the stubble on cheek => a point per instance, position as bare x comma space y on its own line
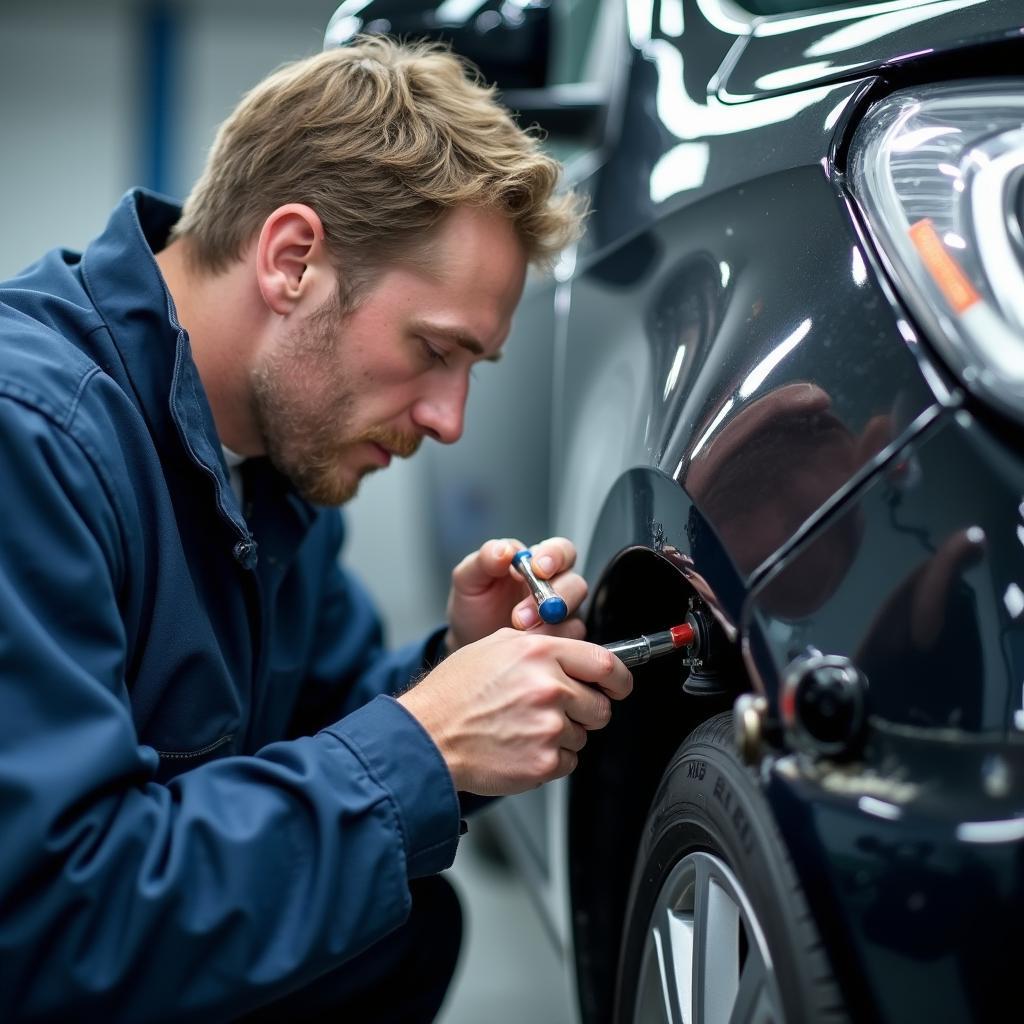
304, 407
304, 435
303, 410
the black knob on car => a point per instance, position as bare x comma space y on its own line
822, 705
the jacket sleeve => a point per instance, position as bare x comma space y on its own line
124, 899
349, 663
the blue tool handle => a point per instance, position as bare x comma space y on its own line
551, 607
553, 610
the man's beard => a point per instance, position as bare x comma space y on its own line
303, 406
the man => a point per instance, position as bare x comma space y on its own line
211, 803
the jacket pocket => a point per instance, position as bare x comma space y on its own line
174, 762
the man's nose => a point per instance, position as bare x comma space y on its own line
441, 413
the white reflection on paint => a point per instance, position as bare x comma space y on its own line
350, 8
784, 26
566, 265
880, 808
836, 112
860, 272
670, 18
683, 167
1014, 600
563, 300
687, 119
726, 16
638, 17
881, 25
512, 12
726, 273
953, 240
1006, 831
342, 29
784, 78
757, 376
715, 424
673, 373
457, 12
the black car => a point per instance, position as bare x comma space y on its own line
777, 392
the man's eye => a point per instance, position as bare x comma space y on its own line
433, 355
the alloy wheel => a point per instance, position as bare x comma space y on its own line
705, 959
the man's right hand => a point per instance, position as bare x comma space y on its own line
512, 711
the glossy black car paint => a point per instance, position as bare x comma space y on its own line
821, 46
940, 545
922, 924
806, 466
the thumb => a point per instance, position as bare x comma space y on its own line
477, 572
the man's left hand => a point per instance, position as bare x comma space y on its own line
487, 593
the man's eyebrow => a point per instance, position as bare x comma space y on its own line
459, 337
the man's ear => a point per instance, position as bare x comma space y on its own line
290, 245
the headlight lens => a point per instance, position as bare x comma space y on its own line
939, 173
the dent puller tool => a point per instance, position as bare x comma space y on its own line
643, 648
551, 607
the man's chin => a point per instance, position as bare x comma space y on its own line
332, 488
330, 483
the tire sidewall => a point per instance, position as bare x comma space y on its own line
708, 801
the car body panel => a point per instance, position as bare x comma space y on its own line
725, 365
930, 606
792, 52
722, 381
913, 852
918, 902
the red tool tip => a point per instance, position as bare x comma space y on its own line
682, 636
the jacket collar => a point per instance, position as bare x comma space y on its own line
125, 284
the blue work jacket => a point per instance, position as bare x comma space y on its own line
207, 798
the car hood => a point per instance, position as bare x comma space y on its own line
793, 52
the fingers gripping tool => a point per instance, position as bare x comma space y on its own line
633, 652
551, 607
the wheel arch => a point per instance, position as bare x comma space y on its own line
651, 551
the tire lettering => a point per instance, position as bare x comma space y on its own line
721, 793
696, 769
742, 826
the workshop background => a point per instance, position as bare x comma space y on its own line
98, 97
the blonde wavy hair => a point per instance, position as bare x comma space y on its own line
381, 139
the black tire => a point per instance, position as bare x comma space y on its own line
710, 842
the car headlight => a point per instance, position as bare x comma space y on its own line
939, 173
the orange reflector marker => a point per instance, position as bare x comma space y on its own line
946, 272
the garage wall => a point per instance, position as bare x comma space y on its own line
98, 97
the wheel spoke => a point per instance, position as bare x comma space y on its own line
673, 939
650, 995
753, 1004
717, 924
705, 960
702, 879
721, 967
